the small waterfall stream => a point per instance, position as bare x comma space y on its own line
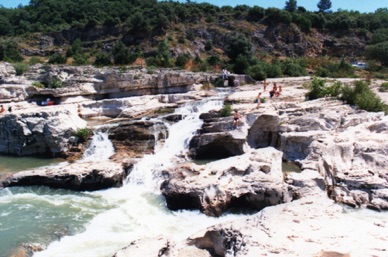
100, 148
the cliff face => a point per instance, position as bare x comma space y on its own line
282, 40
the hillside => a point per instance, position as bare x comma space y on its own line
261, 42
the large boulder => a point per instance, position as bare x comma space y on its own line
251, 181
76, 176
264, 131
39, 131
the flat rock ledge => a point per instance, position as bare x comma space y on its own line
312, 226
251, 181
75, 176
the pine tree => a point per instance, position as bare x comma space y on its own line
324, 5
291, 6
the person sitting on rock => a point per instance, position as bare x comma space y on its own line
236, 119
273, 91
2, 109
279, 91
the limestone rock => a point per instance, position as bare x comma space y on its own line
136, 138
252, 181
76, 176
38, 131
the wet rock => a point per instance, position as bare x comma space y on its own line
76, 176
136, 138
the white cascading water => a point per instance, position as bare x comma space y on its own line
100, 148
138, 208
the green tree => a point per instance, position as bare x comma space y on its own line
379, 52
324, 5
120, 54
9, 52
238, 45
291, 6
255, 13
102, 59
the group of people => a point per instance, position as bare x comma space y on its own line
2, 109
225, 74
276, 91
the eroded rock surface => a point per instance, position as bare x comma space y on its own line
43, 131
251, 181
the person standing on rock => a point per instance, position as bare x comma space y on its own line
258, 100
236, 119
264, 85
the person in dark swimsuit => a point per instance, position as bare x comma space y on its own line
236, 119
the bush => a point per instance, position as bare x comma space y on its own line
80, 59
181, 60
102, 59
20, 68
219, 82
226, 110
257, 72
54, 83
38, 84
317, 89
57, 59
363, 97
83, 134
34, 60
384, 87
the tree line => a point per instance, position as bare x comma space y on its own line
54, 15
147, 16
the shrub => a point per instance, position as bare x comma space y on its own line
80, 59
102, 59
20, 68
38, 84
57, 59
181, 60
83, 134
334, 89
219, 82
384, 87
363, 97
317, 89
257, 72
34, 60
226, 110
54, 83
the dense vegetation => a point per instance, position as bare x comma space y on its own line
154, 20
358, 94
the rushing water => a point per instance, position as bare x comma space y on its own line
97, 224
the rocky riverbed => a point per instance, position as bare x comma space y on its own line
341, 151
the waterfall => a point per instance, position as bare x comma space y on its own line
138, 209
175, 145
100, 148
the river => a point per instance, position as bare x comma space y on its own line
98, 224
